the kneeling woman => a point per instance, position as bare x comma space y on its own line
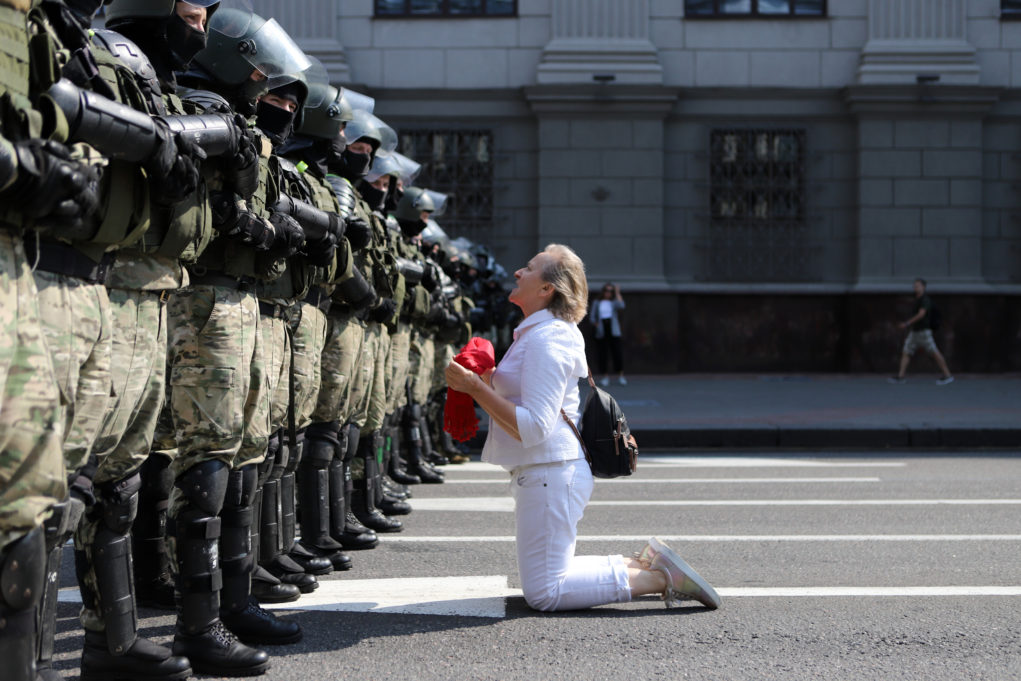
550, 479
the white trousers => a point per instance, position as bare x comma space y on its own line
549, 501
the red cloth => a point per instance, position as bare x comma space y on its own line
459, 417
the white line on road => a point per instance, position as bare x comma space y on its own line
486, 596
680, 481
868, 591
670, 461
726, 538
506, 504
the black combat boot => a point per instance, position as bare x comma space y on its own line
352, 535
105, 578
414, 429
363, 500
200, 635
238, 609
323, 442
269, 542
23, 574
154, 587
396, 466
309, 562
58, 528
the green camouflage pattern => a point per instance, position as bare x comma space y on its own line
445, 353
138, 373
398, 366
308, 342
422, 364
32, 475
374, 355
342, 367
139, 271
78, 331
276, 356
215, 355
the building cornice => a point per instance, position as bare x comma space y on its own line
922, 100
654, 101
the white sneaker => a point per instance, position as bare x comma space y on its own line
604, 381
682, 580
946, 380
622, 380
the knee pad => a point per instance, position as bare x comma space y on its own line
22, 572
241, 486
117, 503
296, 453
204, 485
157, 478
354, 435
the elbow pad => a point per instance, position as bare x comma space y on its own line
357, 292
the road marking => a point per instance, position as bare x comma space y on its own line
867, 591
678, 481
672, 461
725, 538
755, 462
506, 504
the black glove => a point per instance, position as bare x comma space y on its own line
358, 232
320, 252
59, 194
384, 311
336, 228
242, 225
242, 169
430, 277
174, 170
289, 236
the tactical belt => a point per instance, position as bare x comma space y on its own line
341, 309
318, 297
272, 310
60, 258
222, 280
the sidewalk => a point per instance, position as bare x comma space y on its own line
820, 410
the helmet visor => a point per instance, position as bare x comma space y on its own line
318, 81
274, 54
357, 100
232, 19
409, 169
439, 200
369, 126
383, 165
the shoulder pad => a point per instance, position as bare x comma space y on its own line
345, 194
393, 225
208, 100
130, 54
287, 165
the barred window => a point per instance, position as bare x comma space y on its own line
458, 163
773, 9
1010, 9
757, 214
446, 8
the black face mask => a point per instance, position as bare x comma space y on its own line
349, 165
184, 42
277, 123
374, 197
412, 228
393, 198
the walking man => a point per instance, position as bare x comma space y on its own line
920, 336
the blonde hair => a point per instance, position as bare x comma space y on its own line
566, 272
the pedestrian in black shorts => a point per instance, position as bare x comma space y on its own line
603, 316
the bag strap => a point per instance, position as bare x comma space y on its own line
578, 435
591, 381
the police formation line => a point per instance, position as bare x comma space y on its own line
223, 302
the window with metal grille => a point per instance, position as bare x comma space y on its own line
1010, 9
773, 9
446, 8
458, 163
758, 226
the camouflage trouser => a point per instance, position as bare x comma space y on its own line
139, 378
377, 335
31, 461
422, 361
138, 372
444, 355
276, 355
341, 368
308, 341
216, 376
77, 327
399, 364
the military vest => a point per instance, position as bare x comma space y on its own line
18, 120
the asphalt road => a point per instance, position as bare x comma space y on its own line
831, 566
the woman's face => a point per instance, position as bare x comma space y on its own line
531, 292
607, 292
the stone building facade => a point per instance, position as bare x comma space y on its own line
763, 187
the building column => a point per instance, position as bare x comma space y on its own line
601, 41
314, 25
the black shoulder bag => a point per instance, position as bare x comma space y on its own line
609, 446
